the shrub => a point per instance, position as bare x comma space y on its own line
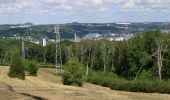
73, 73
17, 68
111, 80
141, 86
31, 68
101, 78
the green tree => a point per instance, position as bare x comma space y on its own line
17, 67
35, 52
50, 53
137, 55
2, 54
73, 73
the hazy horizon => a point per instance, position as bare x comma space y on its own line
81, 23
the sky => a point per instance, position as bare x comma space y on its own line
83, 11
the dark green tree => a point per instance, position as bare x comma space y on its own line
17, 69
73, 73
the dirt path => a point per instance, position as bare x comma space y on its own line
49, 87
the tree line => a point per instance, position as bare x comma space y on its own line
147, 52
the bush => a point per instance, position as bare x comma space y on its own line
101, 78
17, 68
31, 68
73, 73
109, 79
141, 86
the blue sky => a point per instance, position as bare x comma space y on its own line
90, 11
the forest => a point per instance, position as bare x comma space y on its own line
140, 63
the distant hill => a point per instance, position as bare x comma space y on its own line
81, 29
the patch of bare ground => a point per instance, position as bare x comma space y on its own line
49, 87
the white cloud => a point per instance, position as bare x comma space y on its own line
67, 5
140, 5
35, 6
97, 2
103, 9
53, 7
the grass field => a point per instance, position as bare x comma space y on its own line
49, 87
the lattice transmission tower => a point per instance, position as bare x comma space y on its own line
23, 48
58, 49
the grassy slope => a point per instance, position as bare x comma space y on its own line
48, 86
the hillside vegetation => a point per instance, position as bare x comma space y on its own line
81, 29
140, 64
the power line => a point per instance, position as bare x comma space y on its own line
11, 14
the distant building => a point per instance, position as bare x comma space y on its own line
21, 26
51, 40
92, 36
75, 37
44, 42
119, 38
109, 36
124, 23
165, 31
35, 42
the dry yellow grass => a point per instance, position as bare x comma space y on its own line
49, 87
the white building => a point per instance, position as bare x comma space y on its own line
123, 23
51, 40
92, 36
21, 26
35, 42
44, 42
119, 38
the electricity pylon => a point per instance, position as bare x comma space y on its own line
58, 49
23, 49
